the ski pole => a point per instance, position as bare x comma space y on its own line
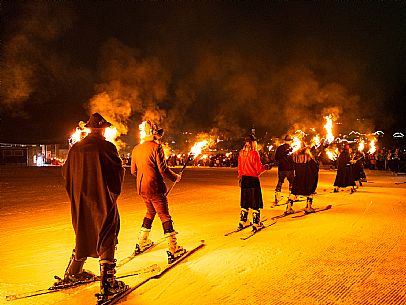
181, 171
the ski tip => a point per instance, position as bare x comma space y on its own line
10, 297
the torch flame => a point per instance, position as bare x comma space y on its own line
110, 133
332, 155
296, 144
316, 141
143, 133
329, 129
372, 147
361, 146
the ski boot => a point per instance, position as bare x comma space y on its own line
278, 198
74, 273
352, 190
109, 286
308, 209
289, 207
256, 220
175, 251
244, 222
335, 189
143, 241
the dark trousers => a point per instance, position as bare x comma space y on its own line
281, 178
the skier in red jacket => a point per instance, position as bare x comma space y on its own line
249, 169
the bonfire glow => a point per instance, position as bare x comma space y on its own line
198, 146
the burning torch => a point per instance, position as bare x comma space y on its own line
195, 151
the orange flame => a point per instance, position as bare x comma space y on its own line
329, 128
316, 141
198, 146
361, 146
296, 144
143, 133
332, 155
110, 133
372, 147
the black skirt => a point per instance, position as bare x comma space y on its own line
251, 195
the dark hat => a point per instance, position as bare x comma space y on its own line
250, 138
97, 121
160, 132
288, 138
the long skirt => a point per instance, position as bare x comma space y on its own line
344, 177
251, 195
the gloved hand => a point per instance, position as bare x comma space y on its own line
178, 177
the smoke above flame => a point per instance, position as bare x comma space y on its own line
217, 83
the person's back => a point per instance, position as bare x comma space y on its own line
149, 164
93, 175
149, 167
283, 157
249, 163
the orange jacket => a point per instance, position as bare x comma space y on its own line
249, 164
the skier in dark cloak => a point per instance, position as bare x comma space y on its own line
358, 167
305, 179
249, 170
285, 166
149, 166
344, 176
93, 175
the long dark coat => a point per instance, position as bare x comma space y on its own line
93, 175
344, 175
149, 166
306, 174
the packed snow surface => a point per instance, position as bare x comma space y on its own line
354, 253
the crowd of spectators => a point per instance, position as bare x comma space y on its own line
383, 159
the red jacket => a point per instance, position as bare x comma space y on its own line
249, 164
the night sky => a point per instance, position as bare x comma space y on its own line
223, 66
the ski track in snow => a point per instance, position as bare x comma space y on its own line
351, 254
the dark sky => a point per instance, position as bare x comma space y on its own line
199, 66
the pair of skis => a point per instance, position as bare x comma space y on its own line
155, 271
264, 222
273, 220
138, 252
152, 268
302, 212
116, 298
